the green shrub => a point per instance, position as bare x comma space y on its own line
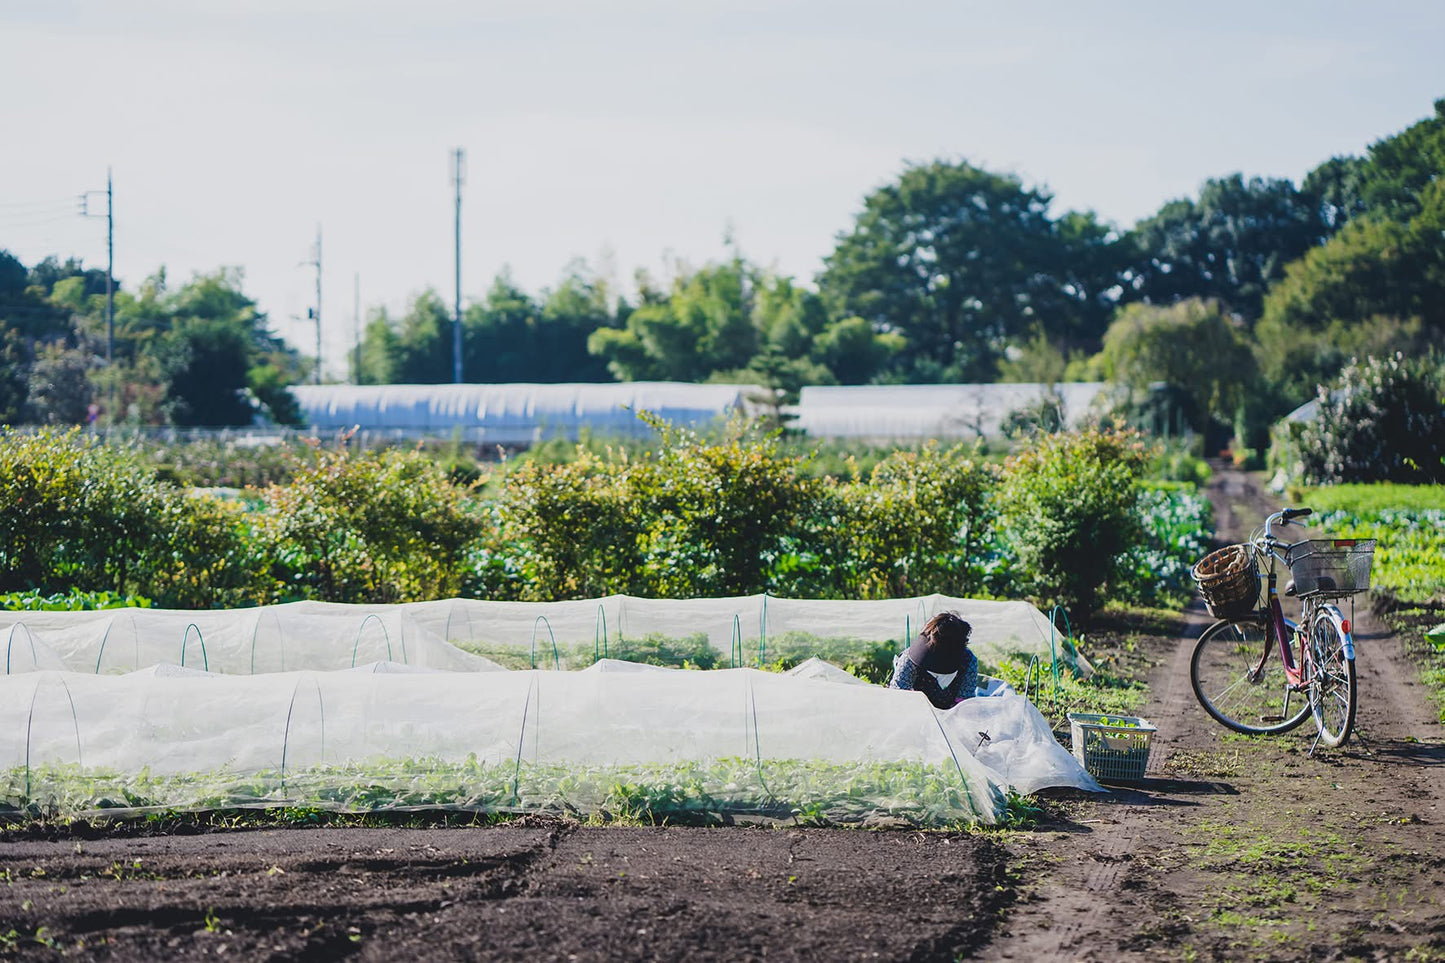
918, 525
1070, 503
207, 555
383, 526
1383, 421
78, 515
717, 512
73, 514
695, 518
574, 531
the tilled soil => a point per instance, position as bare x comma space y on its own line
529, 890
1233, 848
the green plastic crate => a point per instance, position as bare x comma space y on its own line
1112, 748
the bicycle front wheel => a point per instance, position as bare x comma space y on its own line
1241, 683
1332, 682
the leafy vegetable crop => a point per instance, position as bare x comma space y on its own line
715, 792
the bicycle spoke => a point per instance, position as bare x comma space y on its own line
1228, 680
1332, 686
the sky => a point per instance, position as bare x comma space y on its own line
636, 134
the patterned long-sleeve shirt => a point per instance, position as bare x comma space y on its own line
964, 685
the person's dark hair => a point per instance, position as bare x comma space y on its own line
941, 645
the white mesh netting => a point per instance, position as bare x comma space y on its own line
374, 707
451, 633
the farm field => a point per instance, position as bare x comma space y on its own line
1232, 848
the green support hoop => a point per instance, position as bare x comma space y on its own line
385, 634
286, 736
186, 641
556, 659
34, 658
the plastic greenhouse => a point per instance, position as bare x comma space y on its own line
513, 414
438, 704
899, 412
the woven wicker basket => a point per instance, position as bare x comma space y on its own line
1229, 581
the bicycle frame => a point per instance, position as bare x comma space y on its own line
1283, 629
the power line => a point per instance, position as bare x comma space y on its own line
68, 203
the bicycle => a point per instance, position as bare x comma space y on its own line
1231, 669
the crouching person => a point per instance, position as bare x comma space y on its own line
939, 663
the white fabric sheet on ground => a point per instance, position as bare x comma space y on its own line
1012, 737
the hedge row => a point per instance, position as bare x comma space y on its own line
1060, 521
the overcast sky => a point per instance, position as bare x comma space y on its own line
634, 133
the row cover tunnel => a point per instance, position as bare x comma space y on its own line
476, 635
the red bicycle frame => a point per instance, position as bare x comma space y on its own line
1281, 628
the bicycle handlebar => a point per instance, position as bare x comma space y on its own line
1284, 516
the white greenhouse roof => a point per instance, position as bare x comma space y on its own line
514, 413
894, 412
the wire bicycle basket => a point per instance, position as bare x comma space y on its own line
1331, 566
1229, 581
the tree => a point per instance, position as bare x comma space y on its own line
509, 336
959, 261
1230, 245
1400, 168
705, 325
1198, 353
425, 341
58, 392
200, 354
497, 334
854, 351
1377, 287
380, 350
571, 311
14, 376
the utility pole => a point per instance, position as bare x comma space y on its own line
356, 324
315, 313
109, 260
457, 177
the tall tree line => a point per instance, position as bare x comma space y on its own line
949, 273
196, 354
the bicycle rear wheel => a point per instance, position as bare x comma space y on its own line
1241, 683
1332, 682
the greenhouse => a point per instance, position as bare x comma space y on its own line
513, 414
438, 705
918, 412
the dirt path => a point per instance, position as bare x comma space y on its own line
1233, 848
1247, 847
